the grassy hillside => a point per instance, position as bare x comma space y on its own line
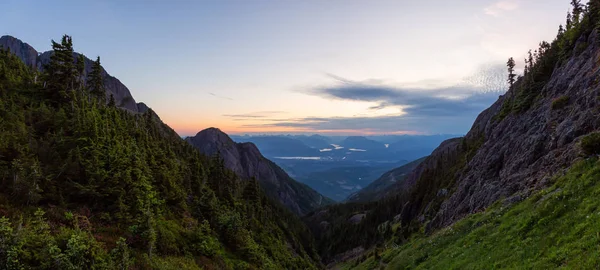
86, 185
556, 227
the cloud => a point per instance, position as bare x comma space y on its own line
472, 95
450, 109
500, 7
221, 97
253, 115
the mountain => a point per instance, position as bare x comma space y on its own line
379, 188
341, 166
362, 143
246, 161
88, 185
338, 180
279, 146
37, 60
520, 177
413, 147
314, 141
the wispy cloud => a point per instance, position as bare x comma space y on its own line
496, 9
254, 115
219, 96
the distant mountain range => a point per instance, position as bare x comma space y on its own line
388, 148
247, 161
339, 166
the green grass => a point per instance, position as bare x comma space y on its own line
558, 227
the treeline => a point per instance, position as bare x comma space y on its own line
541, 62
87, 185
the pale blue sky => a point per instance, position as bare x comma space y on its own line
290, 65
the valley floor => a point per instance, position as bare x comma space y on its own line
558, 227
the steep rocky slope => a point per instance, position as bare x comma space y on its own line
517, 146
37, 60
522, 151
378, 189
511, 151
247, 162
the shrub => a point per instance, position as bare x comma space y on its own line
590, 144
561, 102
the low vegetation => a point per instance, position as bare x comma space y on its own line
554, 228
561, 102
590, 144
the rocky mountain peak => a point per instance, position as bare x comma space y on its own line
21, 49
247, 161
211, 140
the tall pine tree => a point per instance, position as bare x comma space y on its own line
96, 83
593, 10
81, 71
511, 71
577, 10
60, 73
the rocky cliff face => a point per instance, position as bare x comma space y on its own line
506, 156
34, 59
246, 161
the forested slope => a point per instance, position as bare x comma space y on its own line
87, 185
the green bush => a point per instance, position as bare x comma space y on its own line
561, 102
590, 144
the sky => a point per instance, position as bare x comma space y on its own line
347, 67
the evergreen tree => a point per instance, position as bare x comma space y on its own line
561, 31
81, 71
569, 23
111, 101
60, 73
530, 60
577, 10
96, 83
593, 11
511, 71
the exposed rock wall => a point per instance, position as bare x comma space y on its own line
521, 152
